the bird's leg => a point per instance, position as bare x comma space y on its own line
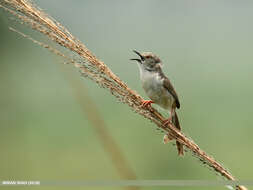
167, 121
146, 103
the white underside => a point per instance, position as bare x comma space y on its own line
153, 85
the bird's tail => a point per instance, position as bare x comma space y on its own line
180, 147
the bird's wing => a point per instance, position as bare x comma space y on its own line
167, 84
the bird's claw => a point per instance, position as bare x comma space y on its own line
146, 103
167, 121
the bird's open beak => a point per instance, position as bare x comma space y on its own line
139, 60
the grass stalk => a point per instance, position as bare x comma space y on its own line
96, 70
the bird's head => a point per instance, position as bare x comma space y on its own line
148, 61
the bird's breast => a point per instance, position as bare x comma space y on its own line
152, 84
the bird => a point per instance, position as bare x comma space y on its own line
159, 89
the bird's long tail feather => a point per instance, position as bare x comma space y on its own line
180, 147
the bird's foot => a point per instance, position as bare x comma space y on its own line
167, 138
167, 121
146, 103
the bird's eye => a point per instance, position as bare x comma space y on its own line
148, 57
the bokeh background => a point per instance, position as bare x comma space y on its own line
206, 48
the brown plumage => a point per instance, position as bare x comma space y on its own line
167, 84
159, 89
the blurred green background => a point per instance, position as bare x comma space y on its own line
206, 48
